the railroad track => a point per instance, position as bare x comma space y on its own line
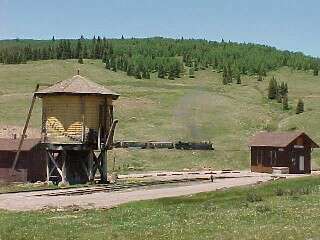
115, 187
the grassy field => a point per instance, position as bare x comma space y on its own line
279, 210
182, 109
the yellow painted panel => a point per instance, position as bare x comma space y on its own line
63, 116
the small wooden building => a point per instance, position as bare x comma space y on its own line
31, 166
287, 149
77, 122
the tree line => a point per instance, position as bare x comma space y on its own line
279, 92
166, 57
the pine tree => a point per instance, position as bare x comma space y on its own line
130, 70
225, 76
229, 74
161, 72
85, 51
104, 57
171, 75
191, 72
176, 68
238, 78
137, 73
279, 98
195, 65
108, 65
144, 73
80, 60
282, 89
286, 90
285, 104
147, 76
315, 71
300, 106
273, 89
78, 49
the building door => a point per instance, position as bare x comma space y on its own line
301, 163
259, 159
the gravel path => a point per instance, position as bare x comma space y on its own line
29, 201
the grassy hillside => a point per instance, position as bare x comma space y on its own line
199, 108
280, 210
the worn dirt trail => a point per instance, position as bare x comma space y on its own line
29, 201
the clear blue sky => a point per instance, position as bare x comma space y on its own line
285, 24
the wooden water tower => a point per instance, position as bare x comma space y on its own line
77, 129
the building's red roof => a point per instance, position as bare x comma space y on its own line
277, 139
7, 144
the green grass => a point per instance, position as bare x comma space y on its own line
285, 209
199, 108
14, 187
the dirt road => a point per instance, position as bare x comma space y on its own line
30, 201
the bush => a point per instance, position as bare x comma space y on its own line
293, 192
279, 192
253, 197
263, 208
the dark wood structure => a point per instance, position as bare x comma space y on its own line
77, 129
31, 166
287, 149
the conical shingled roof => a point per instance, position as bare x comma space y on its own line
77, 85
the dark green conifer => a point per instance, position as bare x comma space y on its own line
273, 88
238, 78
285, 104
78, 49
161, 72
130, 70
229, 74
315, 71
225, 76
137, 73
300, 106
108, 65
191, 72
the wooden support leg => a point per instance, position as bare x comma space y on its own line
48, 169
53, 160
94, 166
64, 168
103, 162
90, 165
85, 169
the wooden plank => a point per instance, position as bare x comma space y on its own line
109, 141
103, 161
48, 169
55, 163
64, 168
83, 110
24, 131
85, 169
94, 165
